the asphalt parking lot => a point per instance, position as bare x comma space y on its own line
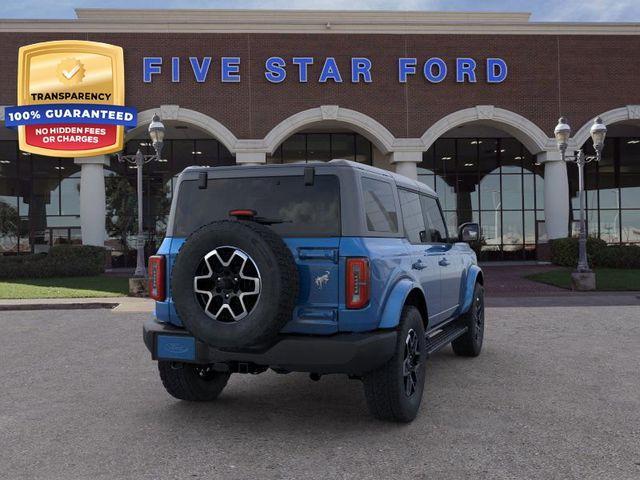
555, 394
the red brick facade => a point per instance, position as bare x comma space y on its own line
578, 76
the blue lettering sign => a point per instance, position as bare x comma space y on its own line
275, 69
406, 66
330, 71
151, 66
175, 69
230, 70
434, 69
465, 67
360, 67
303, 64
200, 71
428, 70
496, 70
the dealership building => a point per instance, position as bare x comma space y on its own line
464, 102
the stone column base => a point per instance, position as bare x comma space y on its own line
138, 287
583, 281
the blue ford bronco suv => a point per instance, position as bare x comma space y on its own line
323, 268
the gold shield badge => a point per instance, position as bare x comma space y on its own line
73, 90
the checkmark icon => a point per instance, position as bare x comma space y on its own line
71, 73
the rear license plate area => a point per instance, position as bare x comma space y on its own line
175, 347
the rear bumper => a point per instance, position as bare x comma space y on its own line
350, 353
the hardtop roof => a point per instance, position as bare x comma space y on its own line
298, 167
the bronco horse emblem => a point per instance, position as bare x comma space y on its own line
322, 280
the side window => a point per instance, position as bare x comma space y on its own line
412, 216
436, 229
379, 206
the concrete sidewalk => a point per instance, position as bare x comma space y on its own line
505, 286
493, 299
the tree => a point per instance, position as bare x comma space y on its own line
122, 213
9, 222
122, 208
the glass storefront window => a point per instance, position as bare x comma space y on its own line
445, 156
318, 147
8, 159
512, 192
323, 147
487, 158
70, 196
529, 192
425, 177
294, 149
343, 145
44, 166
181, 155
428, 160
512, 229
491, 228
206, 152
467, 192
446, 194
630, 190
610, 226
490, 193
511, 155
493, 181
364, 150
530, 228
630, 223
466, 156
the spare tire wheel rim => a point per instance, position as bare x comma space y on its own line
227, 284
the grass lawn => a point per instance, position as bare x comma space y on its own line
610, 279
70, 287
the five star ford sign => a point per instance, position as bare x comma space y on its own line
70, 99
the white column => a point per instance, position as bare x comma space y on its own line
93, 209
251, 158
556, 194
406, 163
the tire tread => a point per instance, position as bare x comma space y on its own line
183, 385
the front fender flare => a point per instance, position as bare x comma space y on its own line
395, 302
469, 286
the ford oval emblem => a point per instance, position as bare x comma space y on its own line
176, 348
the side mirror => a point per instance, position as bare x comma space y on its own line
469, 232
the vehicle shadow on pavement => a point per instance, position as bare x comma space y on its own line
271, 402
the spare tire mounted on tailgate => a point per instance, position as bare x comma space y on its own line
234, 284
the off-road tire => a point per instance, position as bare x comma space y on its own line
470, 344
193, 383
278, 291
385, 388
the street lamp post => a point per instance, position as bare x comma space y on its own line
156, 133
598, 132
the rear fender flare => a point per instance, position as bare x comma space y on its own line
473, 275
395, 303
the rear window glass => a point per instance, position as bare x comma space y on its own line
379, 206
303, 210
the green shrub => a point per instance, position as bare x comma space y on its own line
564, 252
61, 261
618, 256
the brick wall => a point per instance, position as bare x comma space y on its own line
578, 76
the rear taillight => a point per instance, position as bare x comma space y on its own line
156, 277
357, 282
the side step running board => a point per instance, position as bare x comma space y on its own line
444, 338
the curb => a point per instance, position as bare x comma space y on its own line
58, 306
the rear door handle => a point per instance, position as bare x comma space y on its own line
444, 262
418, 265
